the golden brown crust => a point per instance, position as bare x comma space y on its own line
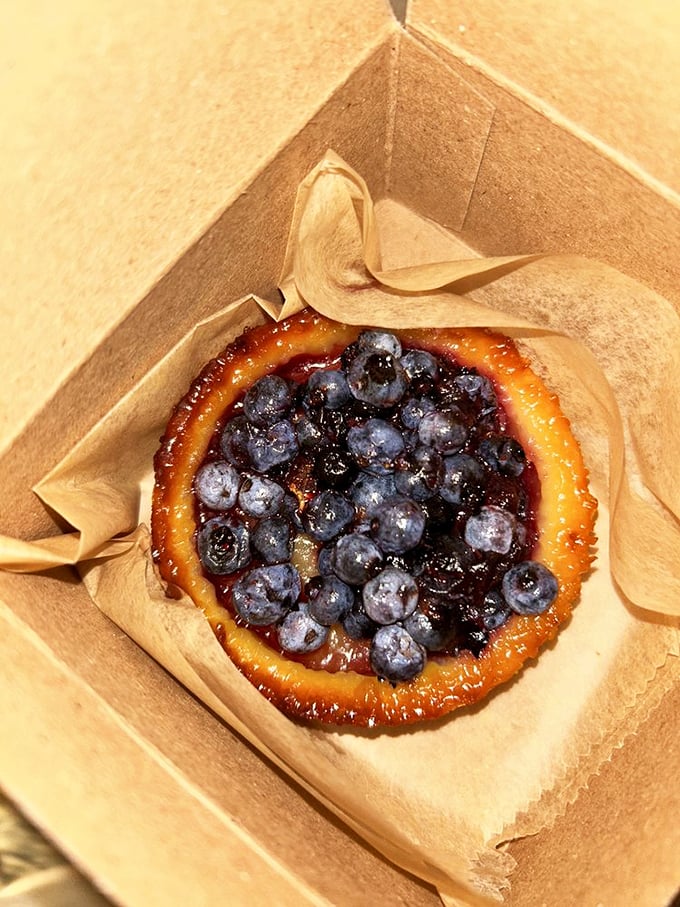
565, 519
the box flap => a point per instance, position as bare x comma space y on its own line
127, 129
609, 69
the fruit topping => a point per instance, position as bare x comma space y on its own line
223, 546
265, 594
395, 655
529, 588
377, 491
384, 527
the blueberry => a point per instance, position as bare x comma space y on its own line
334, 467
290, 509
444, 430
472, 638
267, 400
494, 611
236, 436
216, 485
328, 388
260, 496
397, 525
375, 445
309, 433
414, 409
529, 588
327, 515
272, 540
328, 599
377, 379
324, 560
357, 624
419, 474
395, 655
265, 594
298, 632
503, 454
477, 387
223, 546
273, 447
356, 558
450, 567
462, 480
491, 530
390, 596
419, 365
382, 341
432, 627
368, 491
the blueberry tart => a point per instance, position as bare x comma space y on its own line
380, 526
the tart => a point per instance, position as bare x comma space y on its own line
379, 526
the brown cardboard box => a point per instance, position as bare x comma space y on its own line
152, 155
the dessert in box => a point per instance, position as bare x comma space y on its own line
614, 658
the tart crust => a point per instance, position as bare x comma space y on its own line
565, 517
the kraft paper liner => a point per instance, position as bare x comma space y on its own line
436, 799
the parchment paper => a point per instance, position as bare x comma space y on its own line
436, 799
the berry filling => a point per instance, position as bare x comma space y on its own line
370, 511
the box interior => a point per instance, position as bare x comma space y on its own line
411, 119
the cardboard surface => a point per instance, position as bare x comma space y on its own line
131, 132
127, 131
604, 68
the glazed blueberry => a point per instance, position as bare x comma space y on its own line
503, 454
383, 341
390, 596
216, 485
324, 561
419, 365
309, 433
397, 525
290, 509
368, 491
223, 546
377, 379
473, 638
327, 515
494, 611
273, 447
444, 430
272, 540
395, 655
477, 387
334, 467
462, 480
328, 388
356, 558
264, 595
414, 409
260, 496
236, 436
419, 475
267, 400
357, 624
491, 530
328, 599
298, 632
529, 588
375, 445
430, 626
